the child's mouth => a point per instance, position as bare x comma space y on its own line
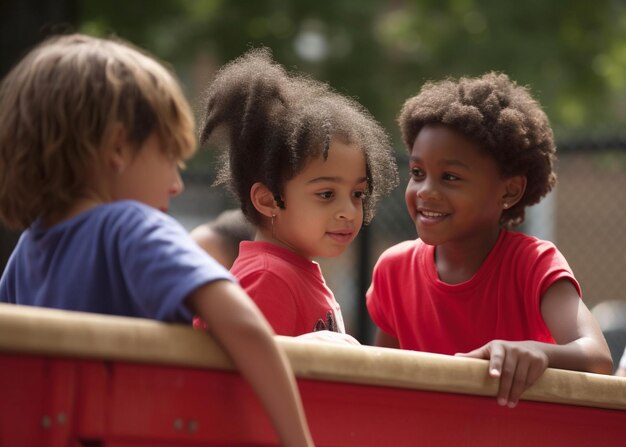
431, 216
342, 237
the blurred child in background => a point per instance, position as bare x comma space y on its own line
221, 237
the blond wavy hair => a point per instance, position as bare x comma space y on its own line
58, 106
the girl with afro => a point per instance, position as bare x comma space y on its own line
308, 166
481, 151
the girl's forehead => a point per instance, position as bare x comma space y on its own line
344, 161
444, 147
440, 140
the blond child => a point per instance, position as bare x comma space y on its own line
92, 132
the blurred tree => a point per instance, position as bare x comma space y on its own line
23, 23
572, 54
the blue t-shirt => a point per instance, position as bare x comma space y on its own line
121, 258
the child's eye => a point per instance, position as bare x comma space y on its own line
325, 195
416, 173
359, 195
450, 177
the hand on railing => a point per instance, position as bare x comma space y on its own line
518, 364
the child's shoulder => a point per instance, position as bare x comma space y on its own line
131, 212
522, 251
260, 256
515, 240
402, 251
125, 220
127, 207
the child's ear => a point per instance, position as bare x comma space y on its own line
514, 190
263, 200
115, 148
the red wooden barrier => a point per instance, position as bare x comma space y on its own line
59, 388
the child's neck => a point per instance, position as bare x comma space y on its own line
263, 236
457, 262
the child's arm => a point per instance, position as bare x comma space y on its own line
581, 345
245, 335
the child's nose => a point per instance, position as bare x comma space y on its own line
177, 185
348, 210
427, 190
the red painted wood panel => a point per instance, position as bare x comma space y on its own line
124, 405
36, 401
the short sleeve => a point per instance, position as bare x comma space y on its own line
549, 267
540, 266
378, 297
275, 299
162, 265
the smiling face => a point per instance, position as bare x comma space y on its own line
455, 193
323, 204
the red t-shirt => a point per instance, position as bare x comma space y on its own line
501, 301
289, 289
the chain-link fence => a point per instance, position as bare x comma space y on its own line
590, 217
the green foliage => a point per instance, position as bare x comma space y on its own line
571, 54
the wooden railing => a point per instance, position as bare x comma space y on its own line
72, 379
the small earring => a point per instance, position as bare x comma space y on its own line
273, 216
505, 205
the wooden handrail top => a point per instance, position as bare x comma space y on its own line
49, 332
